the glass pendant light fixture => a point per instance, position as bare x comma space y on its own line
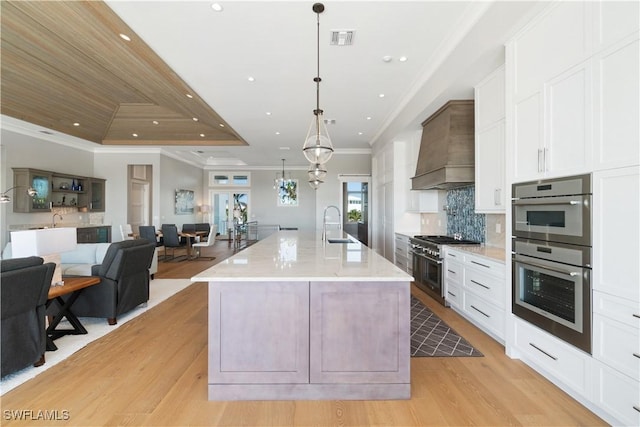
315, 182
279, 182
317, 171
317, 147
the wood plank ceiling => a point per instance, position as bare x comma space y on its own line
65, 67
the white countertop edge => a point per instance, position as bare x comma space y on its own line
303, 279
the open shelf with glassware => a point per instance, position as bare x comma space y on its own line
55, 190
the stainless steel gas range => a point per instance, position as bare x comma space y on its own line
427, 262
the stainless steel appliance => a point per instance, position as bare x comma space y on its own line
552, 288
427, 262
555, 210
551, 274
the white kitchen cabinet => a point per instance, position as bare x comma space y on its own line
554, 41
567, 141
489, 144
475, 286
616, 394
568, 365
617, 105
616, 232
403, 256
453, 278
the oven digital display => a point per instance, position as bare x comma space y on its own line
546, 218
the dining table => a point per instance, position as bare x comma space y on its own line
190, 236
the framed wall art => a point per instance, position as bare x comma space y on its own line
288, 193
185, 202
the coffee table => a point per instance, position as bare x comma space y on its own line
73, 286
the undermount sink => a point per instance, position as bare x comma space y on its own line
340, 241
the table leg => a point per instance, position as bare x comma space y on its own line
65, 311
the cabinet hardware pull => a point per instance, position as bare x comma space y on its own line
539, 160
451, 271
636, 315
636, 408
636, 355
452, 255
557, 270
545, 154
480, 311
480, 284
542, 351
451, 293
545, 203
480, 264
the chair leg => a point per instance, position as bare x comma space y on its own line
112, 321
40, 361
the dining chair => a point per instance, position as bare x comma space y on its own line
148, 232
209, 242
171, 240
126, 231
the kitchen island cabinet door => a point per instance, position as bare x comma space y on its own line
359, 333
261, 331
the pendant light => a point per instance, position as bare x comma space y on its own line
317, 147
315, 182
278, 183
317, 171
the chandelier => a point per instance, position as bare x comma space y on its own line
317, 146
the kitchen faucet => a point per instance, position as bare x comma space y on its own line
54, 219
325, 223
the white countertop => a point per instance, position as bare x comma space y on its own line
491, 252
302, 256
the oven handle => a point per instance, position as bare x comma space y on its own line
546, 267
427, 257
546, 202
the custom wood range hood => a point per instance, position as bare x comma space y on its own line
446, 157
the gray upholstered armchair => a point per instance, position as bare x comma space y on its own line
24, 286
124, 283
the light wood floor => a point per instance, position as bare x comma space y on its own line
153, 371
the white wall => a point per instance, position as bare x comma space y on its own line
19, 150
264, 201
330, 191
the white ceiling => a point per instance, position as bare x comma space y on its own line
449, 45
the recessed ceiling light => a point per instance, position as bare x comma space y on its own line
195, 119
387, 58
268, 113
277, 133
368, 117
221, 125
284, 148
217, 7
381, 95
359, 133
189, 95
76, 124
135, 135
251, 79
155, 122
202, 135
125, 37
402, 59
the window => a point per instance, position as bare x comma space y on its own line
229, 179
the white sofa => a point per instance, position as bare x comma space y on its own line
79, 261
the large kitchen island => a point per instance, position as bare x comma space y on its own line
294, 317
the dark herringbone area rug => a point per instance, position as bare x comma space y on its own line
431, 337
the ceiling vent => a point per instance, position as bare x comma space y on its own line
342, 37
329, 121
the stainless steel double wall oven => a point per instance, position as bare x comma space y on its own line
551, 223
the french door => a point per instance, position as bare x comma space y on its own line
230, 207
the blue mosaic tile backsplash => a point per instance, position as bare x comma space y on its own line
461, 217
